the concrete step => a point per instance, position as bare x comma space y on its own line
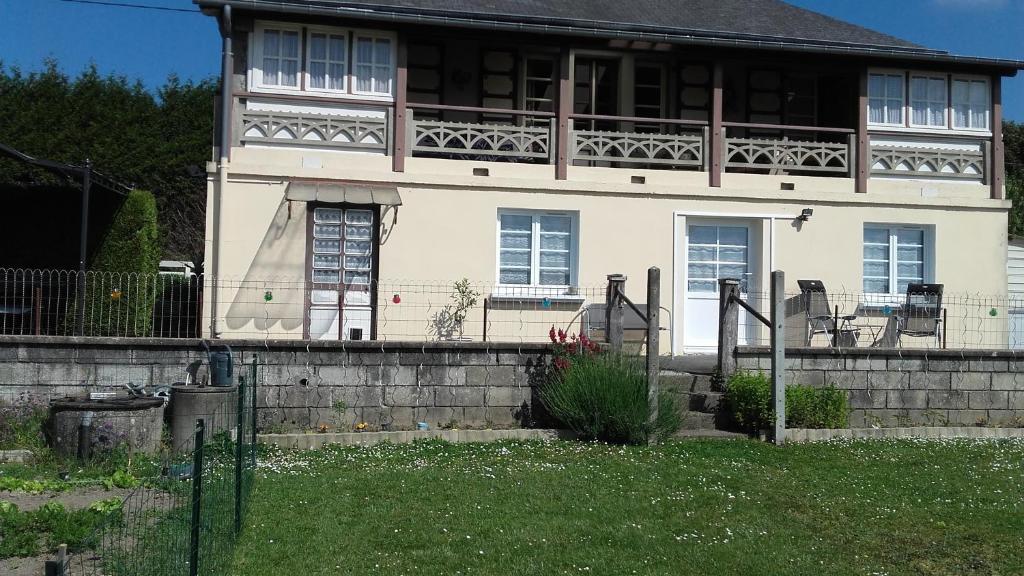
702, 401
690, 363
697, 420
685, 382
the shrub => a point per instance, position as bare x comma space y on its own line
748, 401
603, 396
121, 288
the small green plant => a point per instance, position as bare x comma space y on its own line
121, 479
449, 322
22, 532
21, 424
748, 401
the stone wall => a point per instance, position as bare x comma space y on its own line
907, 387
303, 385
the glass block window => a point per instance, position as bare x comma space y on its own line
894, 257
536, 249
342, 246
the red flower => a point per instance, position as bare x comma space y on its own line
551, 334
561, 336
562, 363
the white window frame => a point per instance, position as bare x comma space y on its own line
535, 288
353, 65
894, 296
346, 77
256, 83
903, 98
945, 99
987, 129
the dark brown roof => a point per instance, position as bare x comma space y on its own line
743, 23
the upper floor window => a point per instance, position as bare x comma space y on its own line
280, 58
327, 67
928, 101
337, 61
373, 65
885, 99
971, 104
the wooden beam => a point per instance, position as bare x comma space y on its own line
716, 142
653, 347
996, 161
862, 160
564, 110
401, 100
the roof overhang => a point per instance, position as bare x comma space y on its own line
340, 191
606, 30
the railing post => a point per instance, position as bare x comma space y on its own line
565, 99
613, 311
653, 345
778, 319
862, 159
717, 134
410, 132
197, 498
705, 157
401, 97
995, 160
553, 141
851, 154
728, 326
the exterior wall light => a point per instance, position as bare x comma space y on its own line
805, 214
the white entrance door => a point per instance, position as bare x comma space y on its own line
714, 249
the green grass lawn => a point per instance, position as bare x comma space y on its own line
690, 507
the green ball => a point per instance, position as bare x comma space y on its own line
268, 296
993, 312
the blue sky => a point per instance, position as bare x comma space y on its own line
151, 44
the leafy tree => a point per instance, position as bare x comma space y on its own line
155, 141
1013, 144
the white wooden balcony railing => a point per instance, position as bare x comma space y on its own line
532, 137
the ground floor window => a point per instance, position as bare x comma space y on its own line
896, 256
537, 248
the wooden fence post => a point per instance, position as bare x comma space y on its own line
778, 329
653, 345
728, 325
613, 311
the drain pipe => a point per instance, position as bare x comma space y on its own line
85, 437
226, 112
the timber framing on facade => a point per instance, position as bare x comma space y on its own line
680, 112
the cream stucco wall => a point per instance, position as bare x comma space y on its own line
446, 230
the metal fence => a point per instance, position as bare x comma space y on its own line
65, 303
854, 319
184, 518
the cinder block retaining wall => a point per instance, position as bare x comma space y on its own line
303, 385
906, 387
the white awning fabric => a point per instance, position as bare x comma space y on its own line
348, 192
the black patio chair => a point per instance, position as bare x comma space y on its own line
822, 320
921, 313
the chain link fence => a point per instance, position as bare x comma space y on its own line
184, 516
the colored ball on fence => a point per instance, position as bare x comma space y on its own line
993, 312
887, 310
546, 303
268, 296
115, 294
396, 299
